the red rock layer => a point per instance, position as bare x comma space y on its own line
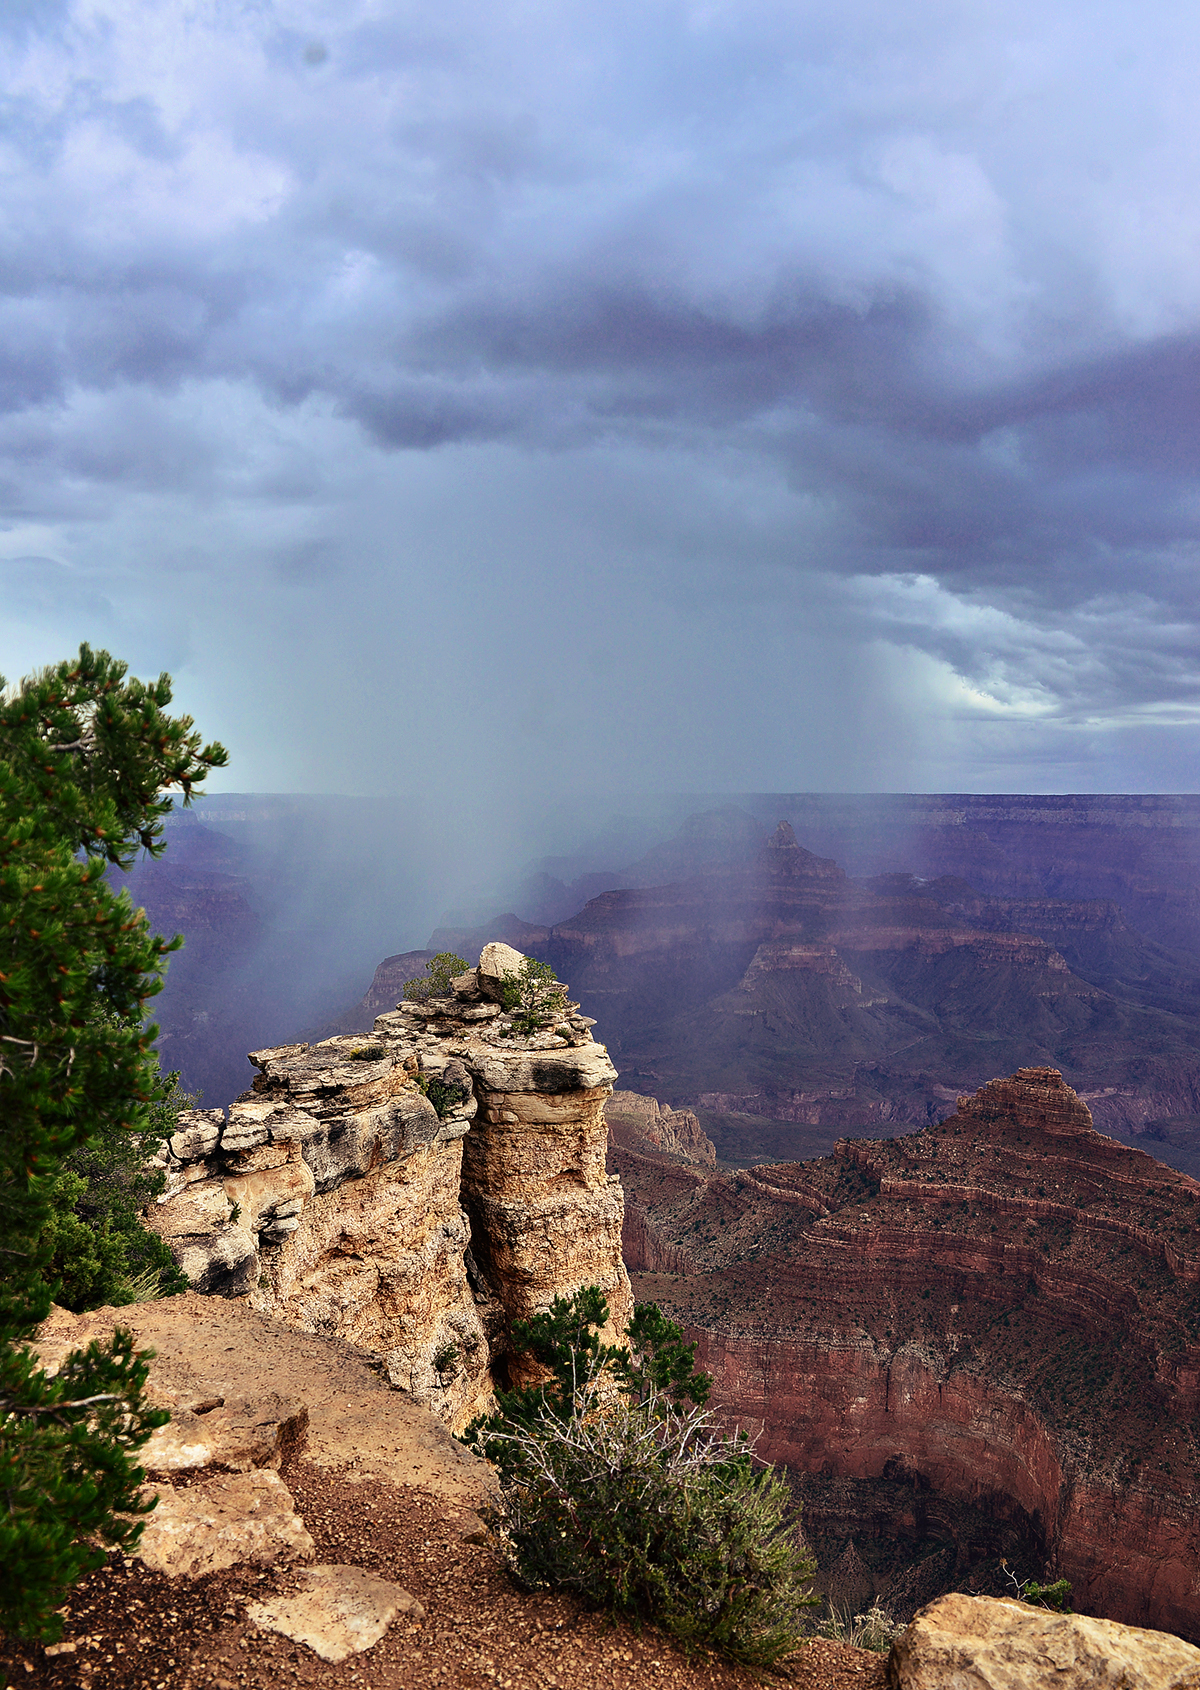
1005, 1306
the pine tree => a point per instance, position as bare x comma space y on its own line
87, 762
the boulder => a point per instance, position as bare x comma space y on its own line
198, 1134
496, 963
239, 1433
337, 1611
982, 1643
218, 1264
224, 1522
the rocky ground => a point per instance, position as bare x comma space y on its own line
137, 1630
379, 1486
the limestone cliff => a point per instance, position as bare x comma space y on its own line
414, 1193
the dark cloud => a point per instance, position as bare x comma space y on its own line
806, 392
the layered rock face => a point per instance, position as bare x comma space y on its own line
337, 1195
982, 1339
641, 1130
642, 1121
545, 1215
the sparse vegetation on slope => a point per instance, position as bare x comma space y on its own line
618, 1485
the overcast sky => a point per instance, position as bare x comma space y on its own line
493, 398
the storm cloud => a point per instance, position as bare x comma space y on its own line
495, 400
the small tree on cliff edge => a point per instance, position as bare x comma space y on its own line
617, 1483
533, 995
86, 758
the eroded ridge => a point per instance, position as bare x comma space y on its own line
998, 1317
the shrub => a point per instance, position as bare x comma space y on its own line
617, 1484
1056, 1596
876, 1629
443, 1096
367, 1053
533, 995
440, 970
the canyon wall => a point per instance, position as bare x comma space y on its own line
413, 1193
982, 1338
773, 985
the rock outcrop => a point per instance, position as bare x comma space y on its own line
413, 1193
636, 1120
980, 1340
1006, 1645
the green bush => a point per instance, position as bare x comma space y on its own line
1056, 1596
102, 1252
533, 995
443, 1097
617, 1484
440, 970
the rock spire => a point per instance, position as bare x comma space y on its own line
413, 1192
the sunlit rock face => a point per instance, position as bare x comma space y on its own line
642, 1121
982, 1340
412, 1193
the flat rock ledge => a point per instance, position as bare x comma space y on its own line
981, 1643
337, 1611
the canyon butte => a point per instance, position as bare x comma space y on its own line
972, 1344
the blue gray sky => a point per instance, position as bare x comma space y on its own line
497, 399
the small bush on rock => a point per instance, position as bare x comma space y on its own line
533, 996
444, 1095
876, 1629
617, 1483
439, 971
1056, 1597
